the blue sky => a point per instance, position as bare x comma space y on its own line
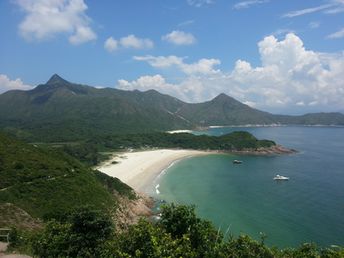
275, 55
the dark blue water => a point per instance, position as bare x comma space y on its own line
244, 198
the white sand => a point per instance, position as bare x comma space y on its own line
139, 169
180, 131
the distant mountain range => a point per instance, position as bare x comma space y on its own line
63, 111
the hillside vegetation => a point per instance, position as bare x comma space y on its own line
90, 151
179, 233
45, 182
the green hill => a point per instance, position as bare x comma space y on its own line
224, 110
44, 182
63, 111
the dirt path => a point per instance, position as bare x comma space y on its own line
3, 248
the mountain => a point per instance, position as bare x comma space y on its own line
60, 111
63, 111
37, 183
224, 110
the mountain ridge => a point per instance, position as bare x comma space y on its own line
60, 110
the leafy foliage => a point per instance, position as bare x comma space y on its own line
45, 182
232, 141
235, 141
180, 233
85, 152
80, 236
113, 184
181, 222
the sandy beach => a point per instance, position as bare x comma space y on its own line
139, 169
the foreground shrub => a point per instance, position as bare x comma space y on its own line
179, 233
81, 236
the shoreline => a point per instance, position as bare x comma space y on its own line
266, 151
139, 169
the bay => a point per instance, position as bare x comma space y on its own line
245, 198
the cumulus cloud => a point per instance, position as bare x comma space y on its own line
45, 19
82, 34
289, 78
190, 88
200, 3
247, 4
146, 82
111, 44
130, 41
7, 84
290, 75
202, 66
178, 37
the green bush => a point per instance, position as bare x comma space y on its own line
81, 236
179, 233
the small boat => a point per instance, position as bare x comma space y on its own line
278, 177
237, 161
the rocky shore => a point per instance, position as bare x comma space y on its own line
273, 150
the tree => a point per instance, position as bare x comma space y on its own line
81, 236
181, 222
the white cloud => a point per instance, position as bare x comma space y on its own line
45, 19
337, 35
145, 83
111, 44
337, 8
314, 25
190, 88
8, 84
247, 4
333, 7
161, 61
186, 23
290, 75
82, 34
282, 32
289, 79
200, 3
307, 10
202, 66
178, 37
131, 41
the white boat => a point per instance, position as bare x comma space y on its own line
278, 177
237, 161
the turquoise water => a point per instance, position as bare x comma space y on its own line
244, 198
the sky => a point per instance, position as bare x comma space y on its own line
280, 56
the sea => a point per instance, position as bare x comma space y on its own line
244, 198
